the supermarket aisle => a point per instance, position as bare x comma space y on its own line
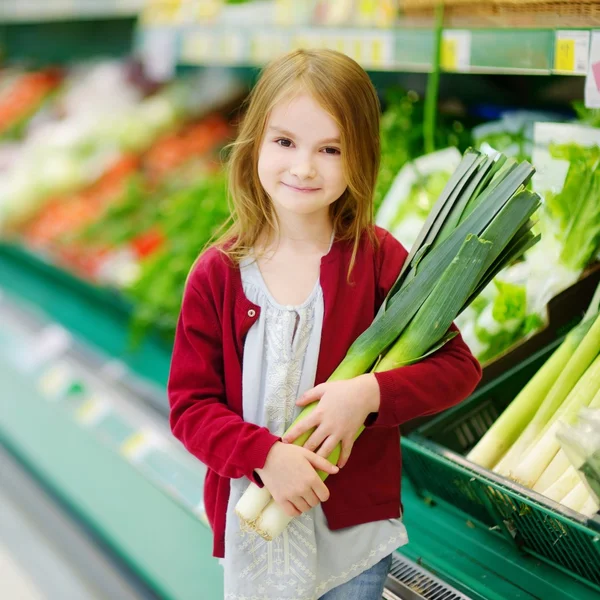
44, 555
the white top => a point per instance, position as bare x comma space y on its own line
307, 560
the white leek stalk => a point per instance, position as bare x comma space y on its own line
577, 498
563, 485
251, 504
554, 471
583, 356
547, 445
506, 429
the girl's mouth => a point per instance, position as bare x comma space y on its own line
304, 190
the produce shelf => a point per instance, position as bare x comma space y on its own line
35, 11
39, 32
518, 51
435, 463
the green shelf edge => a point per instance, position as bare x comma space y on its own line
166, 545
95, 315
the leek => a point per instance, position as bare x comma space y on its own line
511, 423
439, 309
563, 485
583, 356
437, 282
577, 498
554, 471
547, 445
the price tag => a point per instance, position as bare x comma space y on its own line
137, 445
380, 51
159, 53
592, 80
91, 411
54, 381
571, 51
367, 12
456, 50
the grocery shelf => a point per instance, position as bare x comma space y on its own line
518, 51
43, 32
35, 11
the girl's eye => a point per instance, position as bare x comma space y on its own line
284, 142
332, 151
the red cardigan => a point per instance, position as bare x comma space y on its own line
205, 382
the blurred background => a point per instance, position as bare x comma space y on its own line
114, 118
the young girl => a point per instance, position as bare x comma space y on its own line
269, 312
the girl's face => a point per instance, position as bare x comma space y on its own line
300, 163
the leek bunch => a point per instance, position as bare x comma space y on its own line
581, 444
523, 444
480, 223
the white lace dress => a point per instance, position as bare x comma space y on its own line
307, 560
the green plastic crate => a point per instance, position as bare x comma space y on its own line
434, 461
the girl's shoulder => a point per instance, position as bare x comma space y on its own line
388, 247
212, 268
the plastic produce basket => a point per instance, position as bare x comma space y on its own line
434, 460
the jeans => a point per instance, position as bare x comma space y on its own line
366, 586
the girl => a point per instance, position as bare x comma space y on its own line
269, 311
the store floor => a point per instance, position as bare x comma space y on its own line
44, 555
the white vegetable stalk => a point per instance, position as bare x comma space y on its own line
251, 504
563, 485
507, 428
583, 356
577, 498
547, 445
555, 470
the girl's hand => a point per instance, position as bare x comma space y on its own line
342, 410
290, 476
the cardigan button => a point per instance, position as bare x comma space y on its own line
251, 313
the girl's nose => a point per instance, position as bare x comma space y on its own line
303, 169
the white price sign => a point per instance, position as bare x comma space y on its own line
159, 53
571, 51
456, 50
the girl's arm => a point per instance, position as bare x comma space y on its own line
200, 417
437, 382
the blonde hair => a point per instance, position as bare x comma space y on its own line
344, 90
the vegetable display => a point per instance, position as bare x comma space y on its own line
522, 444
567, 158
482, 221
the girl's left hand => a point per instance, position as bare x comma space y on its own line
343, 408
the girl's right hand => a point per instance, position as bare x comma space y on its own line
290, 476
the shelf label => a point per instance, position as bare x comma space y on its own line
592, 80
456, 50
91, 411
159, 53
54, 381
137, 445
571, 50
